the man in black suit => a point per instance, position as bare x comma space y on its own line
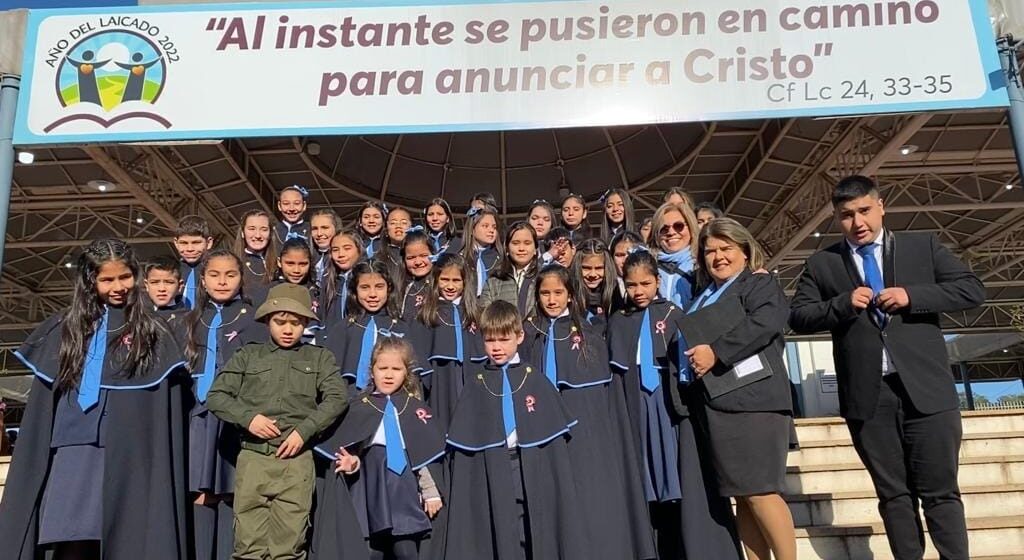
880, 293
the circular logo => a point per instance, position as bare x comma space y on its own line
111, 68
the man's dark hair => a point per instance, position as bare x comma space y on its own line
192, 225
854, 186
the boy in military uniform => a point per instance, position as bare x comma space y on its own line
281, 394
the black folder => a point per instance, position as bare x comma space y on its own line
707, 325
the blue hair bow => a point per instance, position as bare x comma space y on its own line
604, 196
413, 229
638, 249
299, 189
384, 207
473, 211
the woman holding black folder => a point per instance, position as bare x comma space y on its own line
748, 404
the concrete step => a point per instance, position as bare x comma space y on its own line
980, 444
852, 477
988, 421
989, 537
856, 508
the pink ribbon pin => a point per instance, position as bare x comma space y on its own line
126, 339
423, 415
419, 300
660, 327
231, 335
576, 342
530, 401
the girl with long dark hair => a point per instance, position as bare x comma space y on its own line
513, 281
101, 459
256, 244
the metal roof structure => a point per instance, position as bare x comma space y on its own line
951, 173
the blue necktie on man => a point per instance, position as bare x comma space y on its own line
393, 440
872, 277
92, 373
210, 364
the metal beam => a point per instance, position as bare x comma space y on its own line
891, 147
125, 181
82, 242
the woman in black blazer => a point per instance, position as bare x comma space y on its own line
748, 427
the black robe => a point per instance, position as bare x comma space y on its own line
447, 376
483, 514
413, 295
609, 484
144, 476
255, 282
701, 524
281, 230
346, 342
424, 446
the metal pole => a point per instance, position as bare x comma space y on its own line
966, 379
9, 86
1015, 89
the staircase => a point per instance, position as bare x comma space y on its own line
835, 510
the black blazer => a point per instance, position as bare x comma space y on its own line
765, 303
935, 281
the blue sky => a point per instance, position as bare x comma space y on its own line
994, 389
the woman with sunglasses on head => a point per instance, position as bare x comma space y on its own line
674, 239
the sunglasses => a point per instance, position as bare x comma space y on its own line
678, 227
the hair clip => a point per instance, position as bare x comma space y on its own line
384, 208
473, 211
604, 196
540, 201
433, 258
638, 249
413, 229
299, 189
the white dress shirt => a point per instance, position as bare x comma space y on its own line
858, 261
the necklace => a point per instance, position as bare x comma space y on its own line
544, 332
408, 398
483, 382
241, 312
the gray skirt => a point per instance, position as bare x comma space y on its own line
748, 451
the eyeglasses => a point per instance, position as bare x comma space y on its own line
678, 227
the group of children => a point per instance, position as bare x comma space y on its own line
389, 389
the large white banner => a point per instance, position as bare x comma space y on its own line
215, 71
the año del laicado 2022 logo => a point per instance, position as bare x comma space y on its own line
112, 75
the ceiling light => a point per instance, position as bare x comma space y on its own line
102, 186
313, 148
908, 149
816, 234
1009, 186
775, 271
140, 220
68, 264
26, 157
1005, 351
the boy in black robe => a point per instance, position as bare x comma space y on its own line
512, 492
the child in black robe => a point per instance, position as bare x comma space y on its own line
594, 272
291, 203
372, 216
257, 246
163, 285
372, 314
101, 458
572, 354
513, 492
346, 252
480, 247
690, 519
440, 222
383, 446
418, 260
192, 240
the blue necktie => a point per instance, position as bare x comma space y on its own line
343, 292
393, 440
365, 350
481, 272
648, 373
210, 364
873, 276
550, 365
508, 412
92, 373
190, 289
436, 237
369, 249
457, 321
